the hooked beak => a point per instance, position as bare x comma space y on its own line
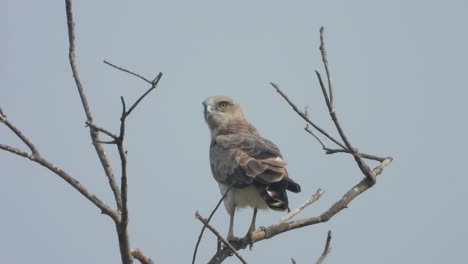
207, 110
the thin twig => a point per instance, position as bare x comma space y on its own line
128, 71
296, 211
363, 155
20, 135
307, 128
331, 108
330, 151
94, 134
2, 115
124, 240
301, 114
16, 151
100, 129
153, 86
220, 237
106, 142
326, 250
325, 63
207, 221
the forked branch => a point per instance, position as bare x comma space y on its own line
119, 215
285, 224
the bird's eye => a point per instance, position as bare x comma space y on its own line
223, 105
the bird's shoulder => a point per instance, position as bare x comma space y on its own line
251, 144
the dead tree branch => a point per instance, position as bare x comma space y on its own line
138, 254
280, 228
128, 71
120, 214
93, 132
326, 250
220, 237
37, 157
284, 224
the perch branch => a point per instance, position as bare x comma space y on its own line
93, 132
326, 250
280, 228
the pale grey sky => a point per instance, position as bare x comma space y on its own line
399, 71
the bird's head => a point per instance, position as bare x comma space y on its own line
220, 111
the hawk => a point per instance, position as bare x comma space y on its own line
241, 159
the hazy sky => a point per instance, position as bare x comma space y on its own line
399, 70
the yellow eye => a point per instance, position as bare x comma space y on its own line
223, 105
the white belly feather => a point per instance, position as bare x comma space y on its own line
242, 197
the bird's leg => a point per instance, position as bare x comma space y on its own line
230, 235
252, 227
252, 224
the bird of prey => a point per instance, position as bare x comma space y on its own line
241, 159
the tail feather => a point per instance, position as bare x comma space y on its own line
293, 186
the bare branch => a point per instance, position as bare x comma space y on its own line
301, 114
128, 71
138, 254
358, 189
93, 133
153, 86
100, 129
36, 157
357, 156
293, 261
299, 209
207, 221
363, 155
15, 151
326, 250
276, 229
19, 134
330, 151
221, 238
325, 63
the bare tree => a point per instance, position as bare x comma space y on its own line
119, 214
285, 224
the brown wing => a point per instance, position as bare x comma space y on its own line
239, 160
